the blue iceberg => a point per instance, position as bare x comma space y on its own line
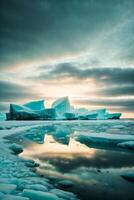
2, 116
61, 106
60, 110
30, 111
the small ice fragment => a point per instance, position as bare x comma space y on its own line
38, 187
39, 195
128, 145
14, 197
129, 176
65, 183
7, 188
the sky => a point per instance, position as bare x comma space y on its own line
83, 49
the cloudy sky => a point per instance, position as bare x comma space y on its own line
83, 49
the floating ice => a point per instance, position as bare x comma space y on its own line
14, 197
129, 176
2, 116
127, 145
65, 183
35, 105
70, 115
37, 187
61, 106
29, 111
64, 194
49, 113
103, 138
7, 188
61, 109
34, 195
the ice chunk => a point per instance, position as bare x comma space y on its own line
38, 187
1, 195
70, 115
61, 106
29, 111
65, 183
16, 148
64, 194
14, 197
35, 105
88, 116
128, 145
7, 188
2, 116
34, 195
49, 113
129, 176
103, 139
112, 116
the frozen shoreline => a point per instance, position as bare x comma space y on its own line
18, 181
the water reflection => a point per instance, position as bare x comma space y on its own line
96, 173
52, 148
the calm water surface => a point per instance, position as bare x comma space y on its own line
95, 171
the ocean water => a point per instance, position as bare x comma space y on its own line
94, 170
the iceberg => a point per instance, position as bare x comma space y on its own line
49, 113
70, 116
35, 105
30, 111
2, 116
61, 107
127, 145
88, 116
112, 116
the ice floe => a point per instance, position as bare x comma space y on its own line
61, 109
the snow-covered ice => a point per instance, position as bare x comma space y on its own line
17, 179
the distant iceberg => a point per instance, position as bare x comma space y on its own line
60, 110
30, 111
2, 116
61, 106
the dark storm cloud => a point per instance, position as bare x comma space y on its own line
119, 104
34, 28
13, 92
125, 90
104, 75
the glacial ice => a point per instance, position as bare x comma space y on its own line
21, 112
129, 176
104, 139
127, 145
14, 197
7, 188
34, 195
100, 114
61, 107
2, 116
35, 105
64, 194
